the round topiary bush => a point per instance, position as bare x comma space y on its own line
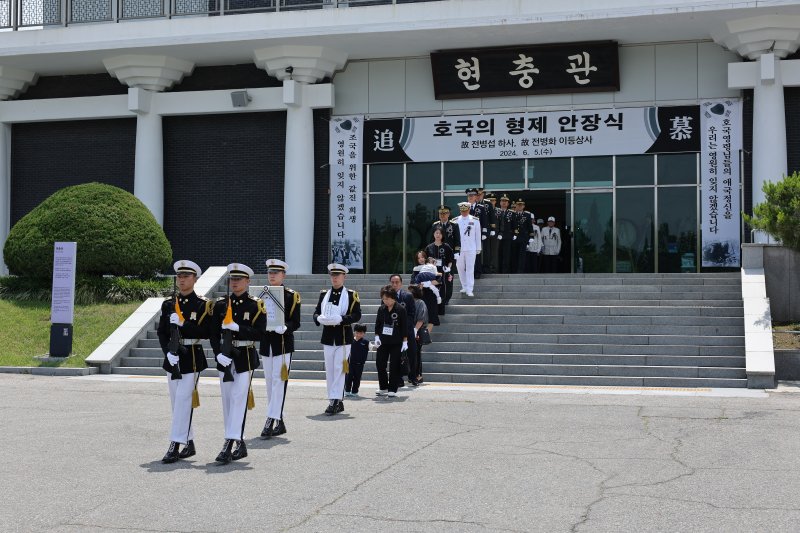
115, 232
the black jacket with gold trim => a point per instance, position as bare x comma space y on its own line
281, 344
343, 333
250, 314
197, 324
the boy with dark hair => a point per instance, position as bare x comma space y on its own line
358, 356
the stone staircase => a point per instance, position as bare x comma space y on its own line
657, 330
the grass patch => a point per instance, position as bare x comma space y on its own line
782, 339
25, 331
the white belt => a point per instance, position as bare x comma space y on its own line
189, 342
246, 344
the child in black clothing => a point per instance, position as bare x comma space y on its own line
358, 356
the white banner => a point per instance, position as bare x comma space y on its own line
721, 143
346, 162
62, 307
635, 130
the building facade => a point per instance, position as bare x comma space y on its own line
227, 119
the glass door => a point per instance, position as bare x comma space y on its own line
594, 231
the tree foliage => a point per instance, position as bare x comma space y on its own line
779, 215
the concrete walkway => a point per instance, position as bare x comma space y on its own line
83, 454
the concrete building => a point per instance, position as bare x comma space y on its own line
226, 117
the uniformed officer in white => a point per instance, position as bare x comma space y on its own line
469, 228
551, 246
337, 309
277, 346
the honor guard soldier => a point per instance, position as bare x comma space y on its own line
243, 318
451, 236
278, 345
551, 246
337, 309
523, 234
490, 253
184, 323
478, 209
470, 229
506, 222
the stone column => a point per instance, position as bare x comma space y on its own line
13, 81
145, 75
765, 40
299, 67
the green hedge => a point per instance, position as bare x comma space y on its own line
88, 290
115, 232
779, 215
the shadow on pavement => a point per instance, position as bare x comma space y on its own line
326, 418
257, 443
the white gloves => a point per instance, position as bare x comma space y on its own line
174, 319
233, 326
515, 238
456, 255
492, 233
335, 320
280, 330
224, 360
172, 358
446, 269
483, 237
499, 237
404, 347
530, 241
377, 341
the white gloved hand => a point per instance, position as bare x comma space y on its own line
224, 360
322, 320
233, 326
499, 237
446, 269
172, 358
377, 341
456, 255
492, 233
335, 320
175, 319
515, 238
404, 347
280, 330
530, 241
483, 237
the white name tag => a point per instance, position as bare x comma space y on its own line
388, 330
438, 262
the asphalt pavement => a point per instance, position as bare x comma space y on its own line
83, 454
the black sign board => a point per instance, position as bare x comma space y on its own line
523, 70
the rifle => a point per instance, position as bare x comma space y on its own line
227, 335
174, 345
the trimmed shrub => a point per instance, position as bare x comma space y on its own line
115, 232
779, 215
88, 290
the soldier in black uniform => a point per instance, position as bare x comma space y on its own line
277, 346
247, 323
490, 244
523, 233
478, 210
451, 236
188, 313
506, 224
337, 309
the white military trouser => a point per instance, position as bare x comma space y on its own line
466, 269
234, 402
334, 369
180, 397
276, 388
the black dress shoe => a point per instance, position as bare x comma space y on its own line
172, 453
339, 406
280, 428
224, 456
268, 432
187, 450
240, 452
331, 408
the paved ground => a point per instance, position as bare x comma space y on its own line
82, 454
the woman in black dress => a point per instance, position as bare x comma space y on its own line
430, 297
444, 264
391, 339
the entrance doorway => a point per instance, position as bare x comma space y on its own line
551, 203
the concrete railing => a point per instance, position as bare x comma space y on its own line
759, 348
136, 325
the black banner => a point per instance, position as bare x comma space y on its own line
523, 70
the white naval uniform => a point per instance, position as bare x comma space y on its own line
180, 397
334, 369
276, 387
469, 228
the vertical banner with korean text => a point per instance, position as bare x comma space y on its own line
346, 164
721, 143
